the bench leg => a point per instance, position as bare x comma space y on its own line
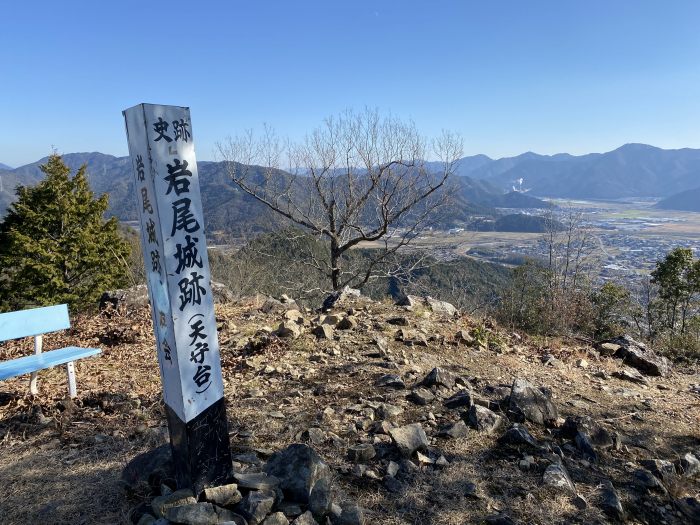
72, 388
33, 388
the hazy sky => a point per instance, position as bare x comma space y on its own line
510, 76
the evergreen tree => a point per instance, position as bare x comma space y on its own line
678, 279
55, 245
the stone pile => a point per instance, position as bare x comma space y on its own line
295, 486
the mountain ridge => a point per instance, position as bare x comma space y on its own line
688, 200
632, 170
483, 184
227, 207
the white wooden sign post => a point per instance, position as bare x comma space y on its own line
179, 285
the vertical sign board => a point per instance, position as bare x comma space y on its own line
175, 253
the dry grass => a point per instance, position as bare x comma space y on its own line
66, 469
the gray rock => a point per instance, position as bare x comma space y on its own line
324, 331
305, 519
294, 315
499, 519
640, 357
557, 477
689, 465
499, 393
484, 420
228, 517
277, 518
223, 495
644, 479
255, 480
439, 377
410, 301
434, 305
290, 509
340, 297
347, 323
256, 506
402, 334
416, 340
398, 321
584, 444
441, 307
221, 294
315, 435
320, 499
391, 381
133, 297
351, 514
409, 438
331, 319
288, 329
392, 469
551, 360
272, 305
464, 337
518, 436
610, 502
149, 469
461, 399
193, 514
531, 404
248, 458
361, 453
298, 467
632, 375
471, 490
392, 485
382, 344
579, 502
455, 430
174, 499
382, 427
662, 469
597, 434
421, 396
146, 519
388, 411
690, 508
607, 349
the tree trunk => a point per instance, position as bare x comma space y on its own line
335, 264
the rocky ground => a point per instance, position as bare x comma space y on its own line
422, 416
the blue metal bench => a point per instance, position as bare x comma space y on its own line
36, 322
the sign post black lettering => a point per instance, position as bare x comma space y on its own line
179, 285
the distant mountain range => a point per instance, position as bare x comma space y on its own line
633, 170
483, 184
230, 210
688, 200
5, 166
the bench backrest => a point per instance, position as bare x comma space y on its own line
35, 321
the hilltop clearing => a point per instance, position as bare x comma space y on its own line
581, 438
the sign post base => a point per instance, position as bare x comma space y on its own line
201, 452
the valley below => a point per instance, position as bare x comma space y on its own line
627, 238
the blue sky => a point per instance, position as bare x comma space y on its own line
510, 76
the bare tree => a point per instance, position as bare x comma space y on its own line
360, 180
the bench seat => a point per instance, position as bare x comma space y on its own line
35, 322
33, 363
